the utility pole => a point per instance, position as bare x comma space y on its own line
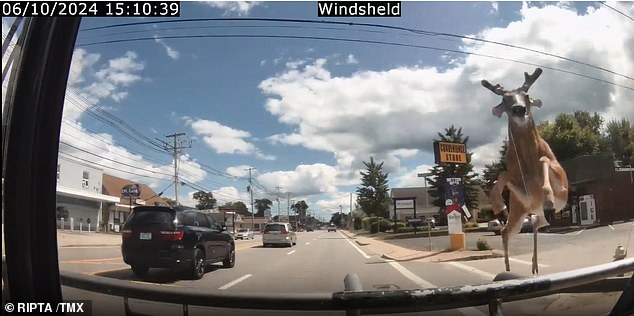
250, 189
277, 197
175, 149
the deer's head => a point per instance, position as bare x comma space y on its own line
515, 103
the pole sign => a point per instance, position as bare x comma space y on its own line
454, 202
131, 191
445, 152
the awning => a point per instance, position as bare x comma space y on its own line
86, 195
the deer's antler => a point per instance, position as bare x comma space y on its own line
530, 79
497, 89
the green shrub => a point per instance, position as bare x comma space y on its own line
470, 225
384, 224
483, 244
411, 229
374, 227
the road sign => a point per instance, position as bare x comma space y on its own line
131, 191
445, 152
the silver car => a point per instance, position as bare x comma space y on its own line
279, 234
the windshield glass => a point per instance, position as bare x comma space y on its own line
414, 144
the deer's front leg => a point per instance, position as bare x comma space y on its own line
549, 196
495, 196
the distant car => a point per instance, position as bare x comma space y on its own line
496, 226
309, 228
244, 233
279, 234
332, 228
183, 240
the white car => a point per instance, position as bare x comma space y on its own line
244, 233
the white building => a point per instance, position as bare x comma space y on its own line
79, 188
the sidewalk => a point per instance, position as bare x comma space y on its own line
396, 253
66, 238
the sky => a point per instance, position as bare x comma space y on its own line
305, 114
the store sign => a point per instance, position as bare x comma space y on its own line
445, 152
131, 191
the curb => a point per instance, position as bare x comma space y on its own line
387, 256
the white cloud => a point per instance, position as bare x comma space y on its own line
239, 171
172, 53
262, 62
351, 60
110, 80
394, 113
231, 194
494, 8
224, 139
240, 8
304, 180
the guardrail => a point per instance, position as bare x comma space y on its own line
356, 301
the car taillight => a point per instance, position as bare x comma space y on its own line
172, 235
126, 233
284, 232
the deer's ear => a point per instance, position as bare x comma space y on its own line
498, 110
536, 102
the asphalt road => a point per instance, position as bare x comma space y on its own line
320, 261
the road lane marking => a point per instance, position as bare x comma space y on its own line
611, 227
92, 261
355, 246
484, 274
290, 252
308, 243
579, 232
234, 282
410, 275
152, 283
468, 311
529, 263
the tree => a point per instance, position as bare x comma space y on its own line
206, 200
239, 207
372, 195
61, 212
619, 139
573, 135
300, 209
492, 172
441, 172
262, 205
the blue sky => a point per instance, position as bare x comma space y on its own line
306, 113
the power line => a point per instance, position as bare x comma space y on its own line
110, 167
373, 25
616, 10
360, 41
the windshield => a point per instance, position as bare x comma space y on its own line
414, 144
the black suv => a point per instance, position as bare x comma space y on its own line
183, 240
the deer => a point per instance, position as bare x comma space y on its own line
535, 179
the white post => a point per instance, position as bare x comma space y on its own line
89, 227
72, 224
62, 223
80, 226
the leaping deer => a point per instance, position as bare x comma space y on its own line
534, 177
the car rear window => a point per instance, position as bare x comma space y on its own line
275, 227
151, 217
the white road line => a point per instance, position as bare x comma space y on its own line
483, 274
308, 242
611, 227
528, 263
579, 232
234, 282
469, 311
290, 252
410, 275
355, 247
